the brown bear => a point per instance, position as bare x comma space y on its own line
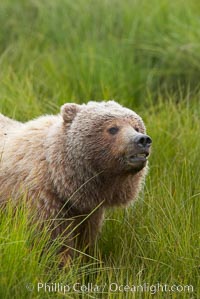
73, 165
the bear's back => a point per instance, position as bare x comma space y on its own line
7, 124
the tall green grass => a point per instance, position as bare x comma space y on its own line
53, 51
145, 54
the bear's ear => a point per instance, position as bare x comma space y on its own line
69, 111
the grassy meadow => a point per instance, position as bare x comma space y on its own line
145, 55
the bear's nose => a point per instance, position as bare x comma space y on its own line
143, 140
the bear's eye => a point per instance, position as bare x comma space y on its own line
113, 130
136, 129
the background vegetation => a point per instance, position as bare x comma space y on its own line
146, 55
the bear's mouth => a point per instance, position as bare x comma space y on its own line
137, 161
142, 157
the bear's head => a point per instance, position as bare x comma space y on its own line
105, 137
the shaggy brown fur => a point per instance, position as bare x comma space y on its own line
74, 165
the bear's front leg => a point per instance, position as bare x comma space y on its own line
89, 229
